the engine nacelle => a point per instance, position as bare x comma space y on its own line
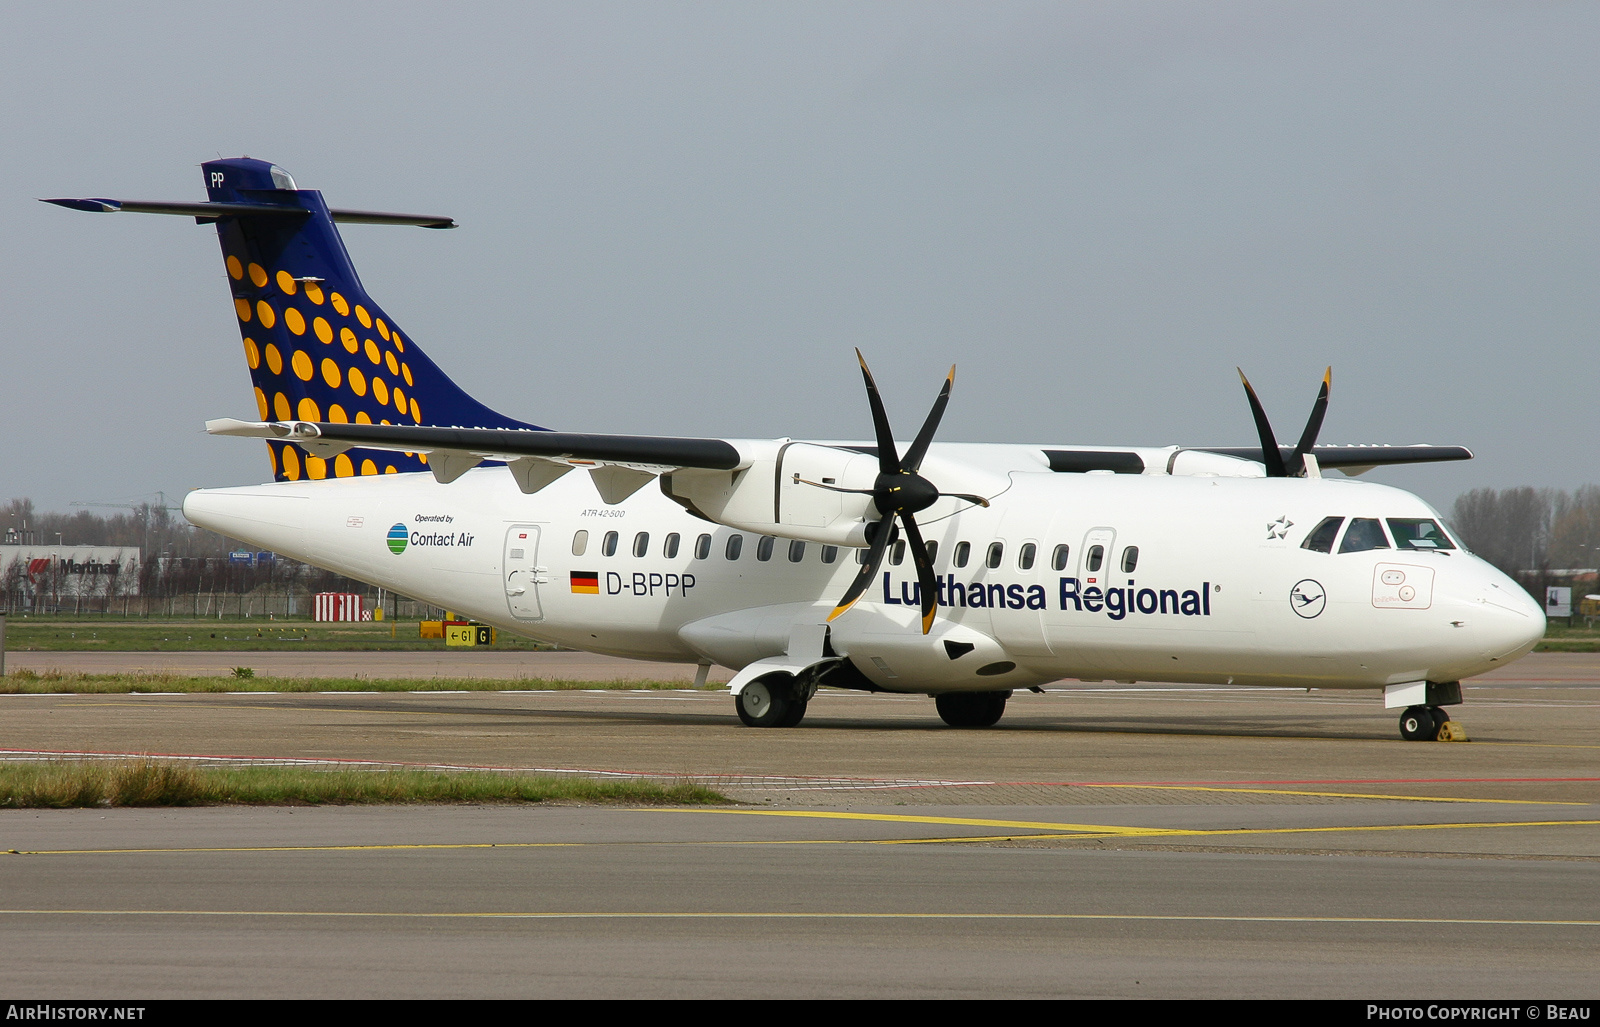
772, 495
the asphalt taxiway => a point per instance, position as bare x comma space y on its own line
1101, 841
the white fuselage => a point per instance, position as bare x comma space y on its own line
1208, 601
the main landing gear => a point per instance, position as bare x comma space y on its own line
971, 709
770, 702
1422, 723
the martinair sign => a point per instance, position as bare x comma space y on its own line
70, 570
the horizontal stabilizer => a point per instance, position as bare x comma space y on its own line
212, 211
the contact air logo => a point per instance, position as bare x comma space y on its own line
398, 537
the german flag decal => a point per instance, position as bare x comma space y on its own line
586, 581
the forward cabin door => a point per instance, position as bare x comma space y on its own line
523, 574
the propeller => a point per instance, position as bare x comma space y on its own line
1271, 455
899, 493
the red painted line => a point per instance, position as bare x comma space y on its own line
863, 781
1329, 781
777, 780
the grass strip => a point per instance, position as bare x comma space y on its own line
81, 784
31, 682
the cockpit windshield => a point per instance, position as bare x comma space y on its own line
1363, 534
1417, 533
1321, 538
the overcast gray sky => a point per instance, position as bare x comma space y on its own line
679, 218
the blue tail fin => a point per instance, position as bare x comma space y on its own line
319, 348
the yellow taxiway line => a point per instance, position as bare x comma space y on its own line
790, 915
1042, 830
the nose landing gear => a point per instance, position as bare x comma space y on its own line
1429, 723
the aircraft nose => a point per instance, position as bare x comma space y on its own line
1511, 621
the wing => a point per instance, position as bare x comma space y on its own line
619, 464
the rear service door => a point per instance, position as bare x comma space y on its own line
523, 575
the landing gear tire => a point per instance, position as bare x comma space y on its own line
971, 709
765, 703
1421, 723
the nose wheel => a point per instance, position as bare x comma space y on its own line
1422, 723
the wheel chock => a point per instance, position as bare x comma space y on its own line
1450, 731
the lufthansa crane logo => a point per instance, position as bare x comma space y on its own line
1307, 598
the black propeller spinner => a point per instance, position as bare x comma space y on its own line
1271, 455
899, 493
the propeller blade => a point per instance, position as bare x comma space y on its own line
880, 545
928, 581
919, 448
888, 456
1308, 438
1269, 443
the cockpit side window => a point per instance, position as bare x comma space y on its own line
1418, 533
1364, 533
1321, 538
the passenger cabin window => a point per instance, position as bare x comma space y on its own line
702, 547
963, 553
764, 548
641, 543
933, 552
1058, 559
1321, 538
608, 545
797, 551
897, 555
1130, 559
1025, 556
1096, 556
1363, 534
830, 554
735, 543
1411, 533
580, 543
669, 546
997, 552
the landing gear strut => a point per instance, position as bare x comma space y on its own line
971, 709
770, 702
